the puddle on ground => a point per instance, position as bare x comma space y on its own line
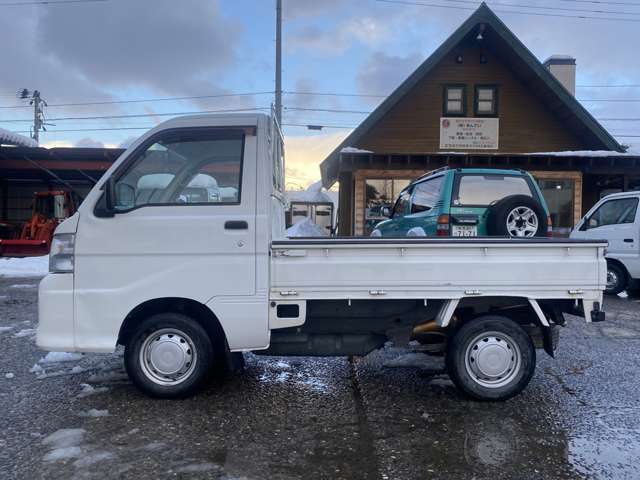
615, 456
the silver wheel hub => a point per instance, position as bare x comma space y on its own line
522, 222
612, 279
492, 359
168, 356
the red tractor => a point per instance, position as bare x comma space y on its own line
49, 210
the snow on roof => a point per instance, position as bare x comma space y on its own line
585, 153
354, 150
10, 138
313, 194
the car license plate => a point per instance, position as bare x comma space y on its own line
464, 231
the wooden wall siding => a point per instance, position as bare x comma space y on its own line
526, 125
577, 195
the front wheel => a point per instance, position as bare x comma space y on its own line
491, 358
169, 356
616, 279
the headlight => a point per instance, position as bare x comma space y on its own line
61, 257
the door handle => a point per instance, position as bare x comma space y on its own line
628, 240
236, 225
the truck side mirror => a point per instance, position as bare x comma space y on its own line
386, 212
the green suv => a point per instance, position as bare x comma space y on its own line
468, 202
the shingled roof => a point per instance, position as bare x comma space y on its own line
526, 66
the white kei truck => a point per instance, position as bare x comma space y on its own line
185, 280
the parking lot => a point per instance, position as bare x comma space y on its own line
389, 415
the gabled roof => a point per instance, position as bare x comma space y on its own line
523, 62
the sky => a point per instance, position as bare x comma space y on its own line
131, 50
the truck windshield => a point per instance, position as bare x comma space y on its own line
483, 190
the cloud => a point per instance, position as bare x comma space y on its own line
88, 142
166, 46
338, 38
382, 73
304, 155
293, 9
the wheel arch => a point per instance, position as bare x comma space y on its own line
186, 306
618, 263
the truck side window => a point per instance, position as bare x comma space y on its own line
614, 212
184, 168
426, 194
400, 208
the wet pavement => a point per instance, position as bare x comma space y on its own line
285, 418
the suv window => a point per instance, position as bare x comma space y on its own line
400, 207
483, 190
184, 168
614, 212
426, 194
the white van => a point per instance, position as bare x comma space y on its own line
615, 218
184, 281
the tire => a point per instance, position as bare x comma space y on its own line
512, 210
491, 358
181, 366
617, 279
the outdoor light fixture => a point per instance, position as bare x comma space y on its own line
459, 59
480, 32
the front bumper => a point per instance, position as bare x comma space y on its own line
55, 313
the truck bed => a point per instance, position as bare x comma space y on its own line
430, 268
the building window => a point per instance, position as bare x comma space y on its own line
380, 193
454, 101
560, 197
486, 101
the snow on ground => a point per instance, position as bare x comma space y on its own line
94, 413
9, 375
24, 267
6, 329
88, 390
23, 285
59, 357
89, 459
305, 228
27, 332
64, 443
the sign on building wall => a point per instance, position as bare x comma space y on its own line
469, 133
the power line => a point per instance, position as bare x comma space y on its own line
146, 100
601, 2
609, 86
557, 15
541, 7
141, 115
332, 94
49, 2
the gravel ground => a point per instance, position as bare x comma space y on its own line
321, 418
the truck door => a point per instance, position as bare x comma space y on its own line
616, 220
166, 237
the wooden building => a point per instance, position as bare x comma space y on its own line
482, 99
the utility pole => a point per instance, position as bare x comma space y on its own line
38, 115
279, 62
38, 111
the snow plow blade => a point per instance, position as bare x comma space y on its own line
23, 248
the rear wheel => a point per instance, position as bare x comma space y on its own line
169, 356
616, 279
491, 358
